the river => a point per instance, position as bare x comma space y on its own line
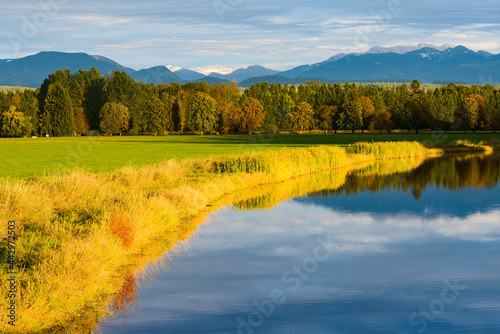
386, 252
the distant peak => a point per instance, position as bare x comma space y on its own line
446, 47
254, 66
158, 68
207, 70
173, 68
402, 49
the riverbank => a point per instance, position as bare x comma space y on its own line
80, 234
105, 154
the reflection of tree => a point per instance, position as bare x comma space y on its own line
452, 172
327, 183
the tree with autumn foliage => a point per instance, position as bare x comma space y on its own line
301, 116
466, 114
15, 123
482, 117
367, 112
115, 118
81, 122
382, 121
325, 117
252, 115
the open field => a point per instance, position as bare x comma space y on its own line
13, 89
27, 157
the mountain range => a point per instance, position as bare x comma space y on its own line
427, 63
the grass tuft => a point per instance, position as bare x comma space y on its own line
122, 227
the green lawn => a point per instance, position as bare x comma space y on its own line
29, 156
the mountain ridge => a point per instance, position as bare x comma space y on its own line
425, 62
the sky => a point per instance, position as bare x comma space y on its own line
238, 33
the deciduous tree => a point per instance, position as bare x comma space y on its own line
302, 116
81, 122
368, 112
382, 121
325, 117
466, 114
252, 114
15, 123
115, 118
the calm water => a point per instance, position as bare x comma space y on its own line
411, 252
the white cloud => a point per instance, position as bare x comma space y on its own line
100, 20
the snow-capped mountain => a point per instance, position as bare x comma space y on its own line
207, 70
424, 62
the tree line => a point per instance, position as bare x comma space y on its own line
86, 102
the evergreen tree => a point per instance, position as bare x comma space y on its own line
57, 118
168, 104
94, 97
29, 107
283, 111
154, 116
205, 113
352, 117
417, 108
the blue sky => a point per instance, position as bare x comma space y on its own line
277, 34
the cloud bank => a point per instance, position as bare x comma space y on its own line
238, 33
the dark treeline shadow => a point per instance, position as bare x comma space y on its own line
451, 172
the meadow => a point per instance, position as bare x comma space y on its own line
27, 157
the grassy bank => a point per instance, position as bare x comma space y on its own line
26, 157
80, 234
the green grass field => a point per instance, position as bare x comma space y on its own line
27, 157
13, 89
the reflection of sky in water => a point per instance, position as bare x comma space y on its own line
384, 267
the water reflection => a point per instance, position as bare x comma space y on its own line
362, 256
469, 178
